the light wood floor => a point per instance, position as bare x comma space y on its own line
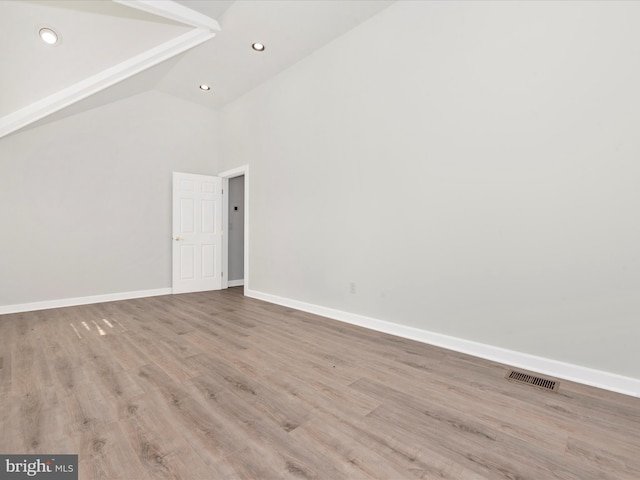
218, 386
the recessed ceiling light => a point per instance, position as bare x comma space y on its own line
258, 47
205, 87
48, 36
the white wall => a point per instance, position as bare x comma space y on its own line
236, 228
85, 202
471, 166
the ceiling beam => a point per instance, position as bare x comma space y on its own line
204, 28
173, 11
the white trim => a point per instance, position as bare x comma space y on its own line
575, 373
237, 172
236, 283
203, 31
72, 302
174, 11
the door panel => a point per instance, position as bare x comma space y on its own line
197, 233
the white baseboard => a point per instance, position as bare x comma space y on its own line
71, 302
236, 283
545, 366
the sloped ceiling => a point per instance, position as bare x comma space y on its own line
176, 45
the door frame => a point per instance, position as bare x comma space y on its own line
226, 175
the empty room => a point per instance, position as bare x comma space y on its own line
319, 239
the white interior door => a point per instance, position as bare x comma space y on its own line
197, 233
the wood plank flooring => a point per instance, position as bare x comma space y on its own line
214, 385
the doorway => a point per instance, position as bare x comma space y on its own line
235, 230
235, 221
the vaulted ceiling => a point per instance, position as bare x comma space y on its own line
108, 50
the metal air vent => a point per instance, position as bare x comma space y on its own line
535, 381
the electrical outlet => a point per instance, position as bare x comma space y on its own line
352, 287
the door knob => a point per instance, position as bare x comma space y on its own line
177, 239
